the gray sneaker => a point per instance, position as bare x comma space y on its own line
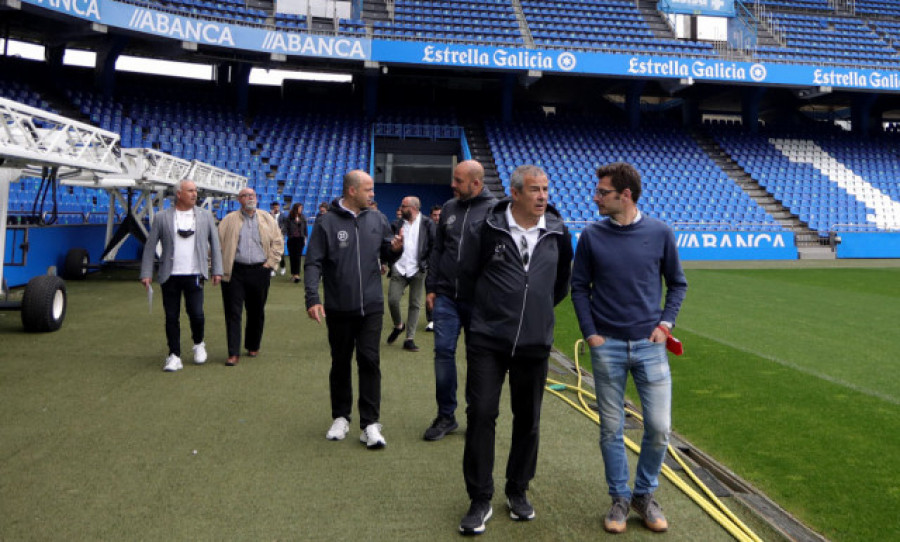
615, 519
647, 507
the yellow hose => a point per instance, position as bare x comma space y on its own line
716, 509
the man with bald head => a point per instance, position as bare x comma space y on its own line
409, 270
346, 248
470, 204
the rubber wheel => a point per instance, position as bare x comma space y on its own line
76, 266
44, 304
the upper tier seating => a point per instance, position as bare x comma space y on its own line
483, 21
600, 24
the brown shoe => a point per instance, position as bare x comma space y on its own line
650, 510
232, 361
253, 353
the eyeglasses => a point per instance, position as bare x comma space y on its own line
603, 192
246, 195
523, 250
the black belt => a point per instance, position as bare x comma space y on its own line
240, 265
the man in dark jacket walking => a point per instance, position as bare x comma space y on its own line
451, 315
515, 268
345, 249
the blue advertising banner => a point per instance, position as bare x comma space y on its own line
705, 245
869, 245
713, 8
236, 36
208, 32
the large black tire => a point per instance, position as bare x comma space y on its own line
44, 304
77, 262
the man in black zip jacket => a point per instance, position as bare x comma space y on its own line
471, 202
346, 248
515, 268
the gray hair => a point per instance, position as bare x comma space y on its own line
180, 184
517, 179
414, 202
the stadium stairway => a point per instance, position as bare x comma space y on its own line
481, 151
654, 19
376, 10
804, 234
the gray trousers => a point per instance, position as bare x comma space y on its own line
416, 285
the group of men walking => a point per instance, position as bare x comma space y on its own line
240, 254
494, 270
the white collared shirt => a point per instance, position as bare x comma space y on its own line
408, 264
530, 235
637, 218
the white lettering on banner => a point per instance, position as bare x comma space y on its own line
730, 240
84, 8
181, 28
313, 46
500, 58
698, 68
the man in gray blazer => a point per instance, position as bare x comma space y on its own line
189, 238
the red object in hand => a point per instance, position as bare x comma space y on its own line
673, 345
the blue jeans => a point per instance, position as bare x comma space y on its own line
450, 317
649, 366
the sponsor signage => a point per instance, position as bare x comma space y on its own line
713, 8
868, 245
760, 245
209, 32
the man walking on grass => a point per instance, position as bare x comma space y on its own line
620, 264
346, 248
514, 269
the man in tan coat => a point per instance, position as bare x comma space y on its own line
252, 246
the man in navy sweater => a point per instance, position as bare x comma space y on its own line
616, 290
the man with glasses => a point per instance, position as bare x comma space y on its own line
514, 269
617, 277
409, 270
252, 245
188, 237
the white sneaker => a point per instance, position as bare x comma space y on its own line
173, 363
339, 429
200, 353
282, 271
429, 326
372, 437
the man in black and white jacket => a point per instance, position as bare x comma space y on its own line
346, 248
515, 267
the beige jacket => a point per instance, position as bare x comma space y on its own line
269, 234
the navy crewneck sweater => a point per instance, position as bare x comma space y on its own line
617, 278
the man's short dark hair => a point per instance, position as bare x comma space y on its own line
622, 175
274, 203
436, 208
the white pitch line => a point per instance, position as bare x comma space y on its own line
790, 365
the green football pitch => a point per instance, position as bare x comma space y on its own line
791, 378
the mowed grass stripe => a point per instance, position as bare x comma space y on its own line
796, 367
840, 323
824, 447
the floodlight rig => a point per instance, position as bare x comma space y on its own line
30, 140
151, 173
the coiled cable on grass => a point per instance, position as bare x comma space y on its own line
713, 506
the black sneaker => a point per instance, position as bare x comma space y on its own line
440, 427
410, 346
519, 507
474, 520
396, 333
